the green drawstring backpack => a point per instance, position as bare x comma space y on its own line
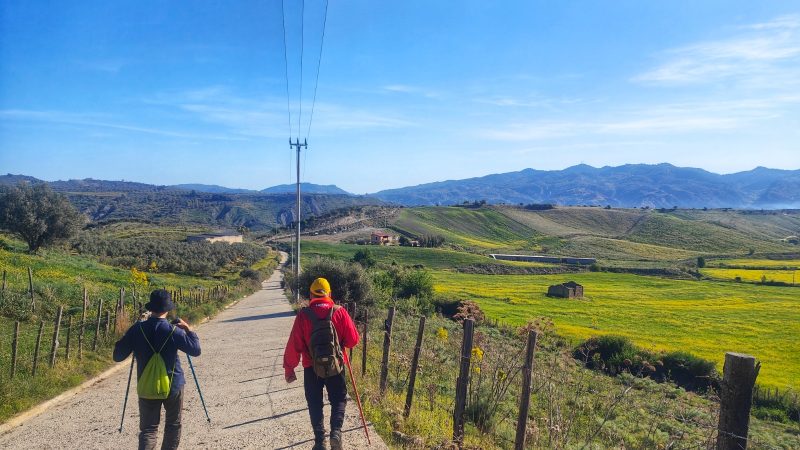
155, 382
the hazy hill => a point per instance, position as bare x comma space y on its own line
85, 185
309, 188
104, 201
211, 188
631, 185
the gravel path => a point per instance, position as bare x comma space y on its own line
241, 374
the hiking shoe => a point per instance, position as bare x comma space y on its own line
319, 440
336, 440
319, 445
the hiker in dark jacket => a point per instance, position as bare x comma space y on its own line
140, 339
297, 348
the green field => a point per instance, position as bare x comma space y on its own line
706, 318
756, 263
431, 258
702, 317
752, 275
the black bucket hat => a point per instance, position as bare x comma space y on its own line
160, 301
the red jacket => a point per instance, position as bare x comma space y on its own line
301, 333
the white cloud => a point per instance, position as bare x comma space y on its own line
416, 90
669, 119
759, 52
101, 121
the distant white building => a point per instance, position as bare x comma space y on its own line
225, 236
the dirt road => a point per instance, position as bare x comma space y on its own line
241, 375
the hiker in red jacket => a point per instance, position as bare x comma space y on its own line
321, 369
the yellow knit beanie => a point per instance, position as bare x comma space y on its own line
320, 288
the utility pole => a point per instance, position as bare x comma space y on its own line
297, 145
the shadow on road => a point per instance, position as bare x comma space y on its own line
276, 416
276, 315
272, 392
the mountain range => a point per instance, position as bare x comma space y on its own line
630, 185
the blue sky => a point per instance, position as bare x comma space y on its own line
409, 92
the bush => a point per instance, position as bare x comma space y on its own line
415, 283
365, 258
252, 276
38, 215
349, 282
469, 310
617, 354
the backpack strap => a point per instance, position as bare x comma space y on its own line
333, 310
151, 345
311, 315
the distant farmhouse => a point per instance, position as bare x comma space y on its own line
570, 289
546, 259
229, 237
383, 239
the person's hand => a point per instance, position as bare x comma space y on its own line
180, 323
290, 376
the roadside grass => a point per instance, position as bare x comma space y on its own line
571, 407
705, 318
753, 275
58, 279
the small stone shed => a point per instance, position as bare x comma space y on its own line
570, 289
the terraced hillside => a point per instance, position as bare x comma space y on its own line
632, 235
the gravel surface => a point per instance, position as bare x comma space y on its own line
240, 372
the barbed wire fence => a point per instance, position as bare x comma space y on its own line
566, 410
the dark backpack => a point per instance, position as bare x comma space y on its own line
326, 353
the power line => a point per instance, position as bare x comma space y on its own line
286, 70
319, 62
302, 47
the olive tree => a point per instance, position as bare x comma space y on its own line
38, 215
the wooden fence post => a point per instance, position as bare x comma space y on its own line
36, 349
414, 364
97, 326
736, 398
30, 289
108, 323
14, 350
56, 330
69, 336
364, 344
462, 382
4, 282
525, 399
82, 324
387, 343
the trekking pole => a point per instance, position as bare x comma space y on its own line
198, 387
127, 391
358, 401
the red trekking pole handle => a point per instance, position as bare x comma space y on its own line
358, 401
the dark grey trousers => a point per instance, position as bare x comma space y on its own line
150, 417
